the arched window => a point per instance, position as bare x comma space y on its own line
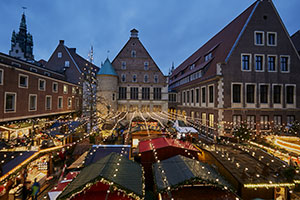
146, 65
146, 78
134, 78
133, 53
123, 77
155, 79
123, 65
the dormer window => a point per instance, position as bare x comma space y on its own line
67, 63
192, 67
208, 57
133, 53
155, 79
59, 54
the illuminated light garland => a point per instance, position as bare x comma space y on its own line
269, 185
3, 178
287, 145
123, 152
230, 124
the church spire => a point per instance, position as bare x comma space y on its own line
22, 42
23, 23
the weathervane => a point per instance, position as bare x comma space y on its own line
108, 53
24, 8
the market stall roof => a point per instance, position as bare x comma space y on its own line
180, 170
54, 193
12, 159
129, 176
164, 142
71, 125
100, 151
270, 170
79, 162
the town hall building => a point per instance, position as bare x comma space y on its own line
133, 81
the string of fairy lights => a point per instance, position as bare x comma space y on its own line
238, 165
160, 167
123, 154
195, 122
259, 127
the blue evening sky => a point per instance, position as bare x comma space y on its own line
171, 30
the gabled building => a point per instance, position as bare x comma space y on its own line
249, 72
141, 84
77, 70
66, 60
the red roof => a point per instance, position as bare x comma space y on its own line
60, 186
164, 142
220, 45
71, 175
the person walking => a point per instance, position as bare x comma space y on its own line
35, 189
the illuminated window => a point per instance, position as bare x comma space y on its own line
65, 89
211, 120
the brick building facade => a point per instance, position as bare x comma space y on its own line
247, 72
140, 83
29, 90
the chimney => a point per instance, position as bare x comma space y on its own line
61, 42
134, 33
73, 50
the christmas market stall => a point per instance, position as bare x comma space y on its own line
9, 161
139, 131
112, 177
254, 173
19, 167
185, 178
165, 148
